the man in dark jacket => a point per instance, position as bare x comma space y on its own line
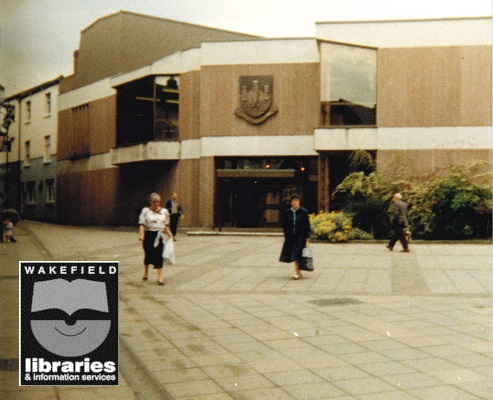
400, 222
175, 211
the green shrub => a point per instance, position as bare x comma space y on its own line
335, 227
456, 206
461, 209
366, 199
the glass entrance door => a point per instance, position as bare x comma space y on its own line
254, 203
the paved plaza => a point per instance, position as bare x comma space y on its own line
230, 323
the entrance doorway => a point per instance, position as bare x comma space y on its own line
253, 192
260, 202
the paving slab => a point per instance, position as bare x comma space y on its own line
230, 323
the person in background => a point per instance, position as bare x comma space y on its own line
297, 232
7, 230
11, 222
175, 210
152, 221
400, 222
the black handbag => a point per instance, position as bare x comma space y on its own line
306, 262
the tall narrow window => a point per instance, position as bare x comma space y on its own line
30, 192
47, 150
27, 153
28, 110
48, 103
50, 191
167, 107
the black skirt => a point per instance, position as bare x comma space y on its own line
153, 255
292, 248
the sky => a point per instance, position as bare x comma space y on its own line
38, 37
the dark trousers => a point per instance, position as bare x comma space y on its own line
398, 233
174, 223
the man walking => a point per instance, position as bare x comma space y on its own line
176, 212
400, 221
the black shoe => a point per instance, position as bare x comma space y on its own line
390, 248
13, 240
160, 283
406, 251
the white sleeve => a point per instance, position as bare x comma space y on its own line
142, 216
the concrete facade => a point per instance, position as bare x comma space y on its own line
432, 101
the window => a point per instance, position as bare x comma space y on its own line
27, 153
48, 103
50, 191
80, 131
30, 192
167, 107
148, 109
349, 88
47, 150
28, 111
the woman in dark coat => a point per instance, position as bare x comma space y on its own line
297, 232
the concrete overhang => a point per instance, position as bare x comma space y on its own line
404, 138
174, 64
143, 152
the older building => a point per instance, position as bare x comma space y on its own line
236, 124
29, 165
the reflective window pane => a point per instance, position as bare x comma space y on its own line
349, 75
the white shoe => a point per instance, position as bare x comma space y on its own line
297, 276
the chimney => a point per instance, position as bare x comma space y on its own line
76, 60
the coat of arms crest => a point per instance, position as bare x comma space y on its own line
256, 98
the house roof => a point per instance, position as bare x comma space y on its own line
35, 89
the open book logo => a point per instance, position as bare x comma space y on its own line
70, 319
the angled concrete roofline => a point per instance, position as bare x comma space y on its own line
163, 19
363, 46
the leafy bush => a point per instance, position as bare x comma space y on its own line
461, 207
335, 227
367, 199
456, 206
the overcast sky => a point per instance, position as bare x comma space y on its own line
38, 37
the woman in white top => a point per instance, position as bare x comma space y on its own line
153, 220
